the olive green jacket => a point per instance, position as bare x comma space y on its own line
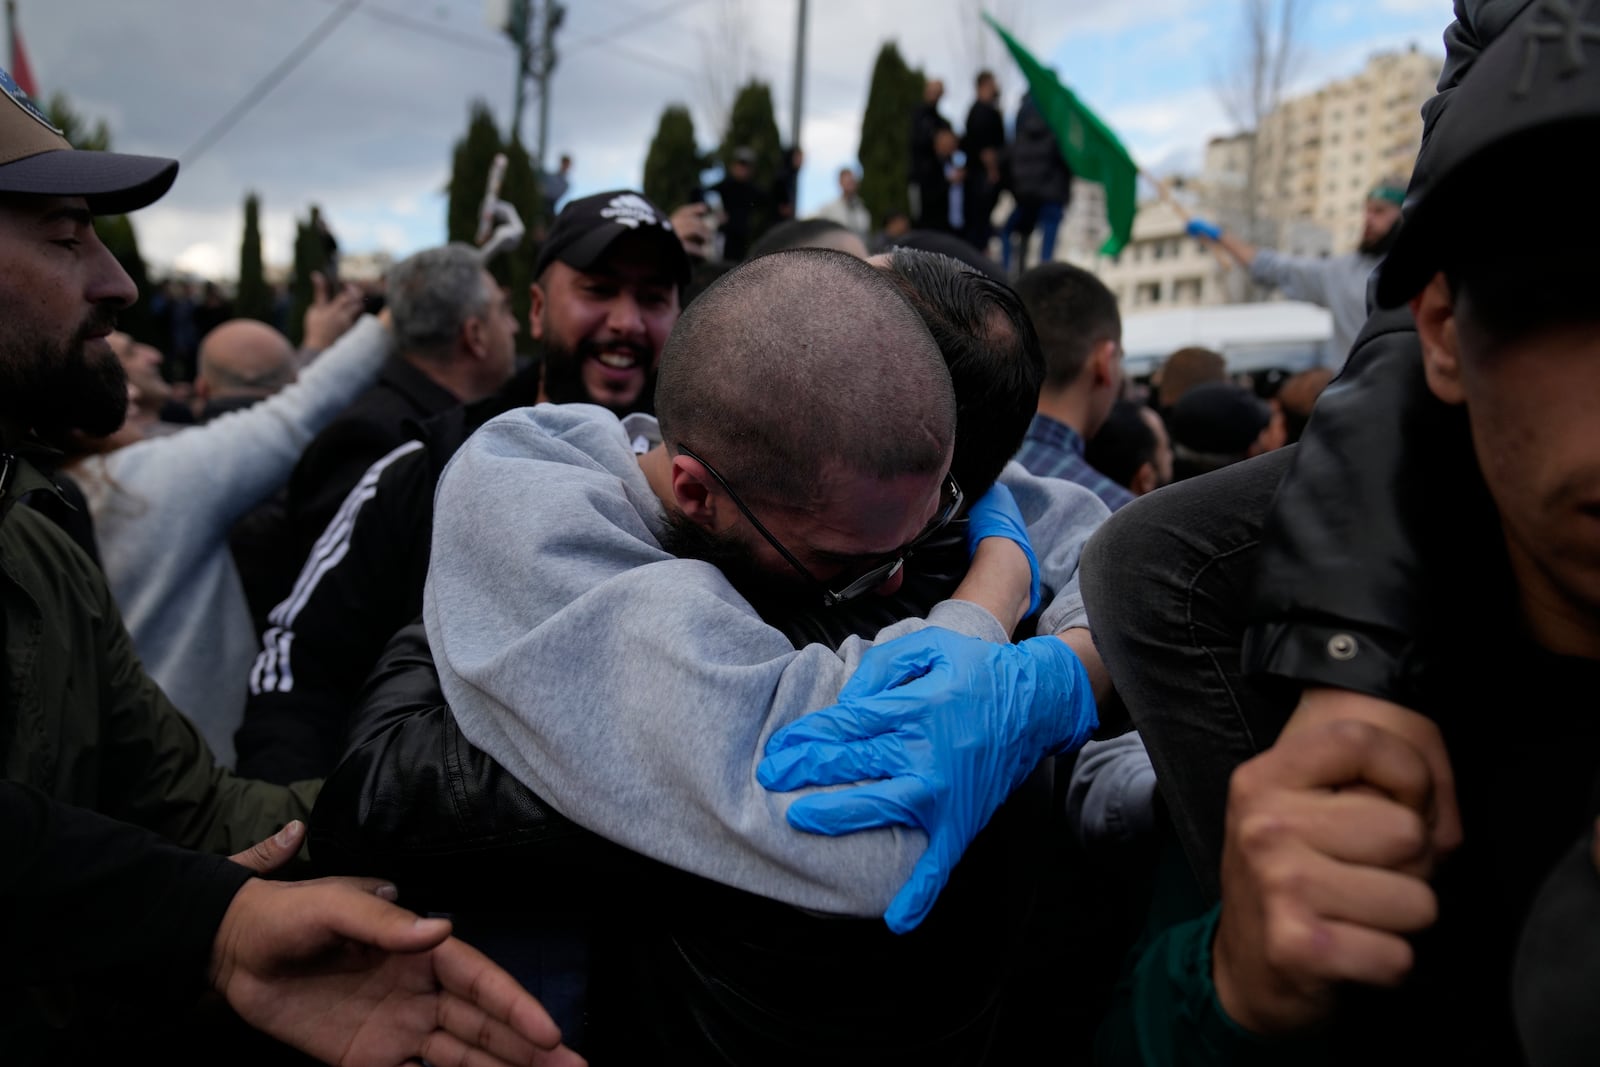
79, 718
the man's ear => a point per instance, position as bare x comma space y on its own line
473, 336
1102, 362
1144, 480
697, 493
536, 311
1435, 313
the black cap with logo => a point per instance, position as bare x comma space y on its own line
586, 228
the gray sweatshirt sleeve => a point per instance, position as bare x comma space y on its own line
1297, 277
223, 469
633, 690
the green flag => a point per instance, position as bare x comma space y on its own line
1090, 148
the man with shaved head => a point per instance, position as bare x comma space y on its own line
242, 361
800, 453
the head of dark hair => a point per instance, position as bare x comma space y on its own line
993, 354
948, 244
800, 364
797, 233
983, 76
1122, 445
1073, 311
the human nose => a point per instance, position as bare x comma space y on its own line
108, 282
625, 318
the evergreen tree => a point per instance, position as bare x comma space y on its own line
469, 177
672, 166
310, 255
886, 134
115, 231
254, 299
751, 125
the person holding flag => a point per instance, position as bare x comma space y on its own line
1338, 283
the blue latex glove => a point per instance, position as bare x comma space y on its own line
1201, 228
996, 515
941, 728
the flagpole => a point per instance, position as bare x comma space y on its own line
1165, 192
11, 34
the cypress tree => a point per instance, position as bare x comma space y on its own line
254, 299
310, 255
672, 166
469, 176
886, 134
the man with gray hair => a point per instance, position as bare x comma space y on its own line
455, 340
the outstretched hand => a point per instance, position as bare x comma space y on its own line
941, 728
334, 969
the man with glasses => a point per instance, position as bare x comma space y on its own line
631, 636
701, 667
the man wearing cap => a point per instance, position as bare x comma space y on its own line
1425, 888
1338, 283
83, 721
608, 282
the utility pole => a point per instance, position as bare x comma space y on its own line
799, 78
518, 19
554, 14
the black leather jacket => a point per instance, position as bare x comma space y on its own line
685, 963
1345, 568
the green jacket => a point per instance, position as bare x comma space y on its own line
79, 718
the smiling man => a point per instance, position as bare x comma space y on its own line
606, 296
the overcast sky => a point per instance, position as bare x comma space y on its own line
364, 125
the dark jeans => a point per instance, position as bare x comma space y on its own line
1166, 581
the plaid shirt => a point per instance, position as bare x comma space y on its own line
1055, 450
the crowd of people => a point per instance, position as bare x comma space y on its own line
822, 650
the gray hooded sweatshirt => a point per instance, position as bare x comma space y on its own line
635, 691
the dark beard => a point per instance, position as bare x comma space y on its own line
53, 390
770, 594
563, 377
1381, 246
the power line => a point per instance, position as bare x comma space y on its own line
268, 83
433, 30
647, 19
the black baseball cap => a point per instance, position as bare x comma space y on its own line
1531, 100
585, 229
35, 158
1218, 418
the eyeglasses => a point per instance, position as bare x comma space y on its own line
949, 504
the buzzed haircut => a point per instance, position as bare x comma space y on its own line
430, 296
1072, 311
803, 363
993, 354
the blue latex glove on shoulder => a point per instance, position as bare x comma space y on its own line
996, 515
940, 729
1201, 228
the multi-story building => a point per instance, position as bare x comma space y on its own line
1315, 161
1317, 156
